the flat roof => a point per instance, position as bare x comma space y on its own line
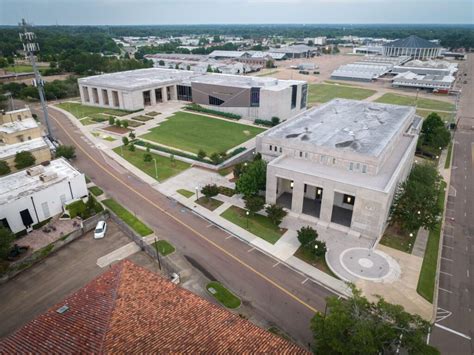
346, 125
137, 79
17, 126
9, 150
19, 184
245, 81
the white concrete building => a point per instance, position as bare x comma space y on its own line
250, 97
31, 196
423, 81
339, 165
320, 41
413, 46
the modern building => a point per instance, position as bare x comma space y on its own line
413, 46
423, 81
433, 67
368, 68
339, 165
320, 41
31, 196
296, 51
373, 50
19, 132
251, 97
131, 310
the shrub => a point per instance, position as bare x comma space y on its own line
125, 140
118, 123
275, 120
4, 168
198, 108
111, 120
263, 122
319, 249
77, 208
275, 214
307, 236
238, 169
24, 159
131, 147
147, 158
254, 203
66, 151
210, 190
131, 135
216, 158
125, 124
201, 154
6, 240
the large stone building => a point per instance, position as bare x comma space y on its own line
413, 46
20, 132
339, 165
251, 97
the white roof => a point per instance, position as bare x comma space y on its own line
19, 184
9, 150
228, 54
17, 126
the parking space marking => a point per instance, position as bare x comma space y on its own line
443, 289
278, 263
452, 331
304, 281
445, 273
446, 259
251, 249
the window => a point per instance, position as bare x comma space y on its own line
255, 97
95, 95
85, 93
115, 98
184, 93
215, 101
294, 91
305, 188
351, 166
306, 155
321, 159
105, 97
304, 93
301, 154
271, 147
357, 166
364, 168
280, 150
334, 161
275, 148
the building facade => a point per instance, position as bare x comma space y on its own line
250, 97
31, 196
339, 165
413, 46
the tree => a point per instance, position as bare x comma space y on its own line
4, 168
253, 178
275, 214
118, 123
131, 135
209, 69
201, 154
24, 159
307, 236
131, 147
319, 249
210, 190
415, 203
161, 63
147, 158
237, 171
66, 151
433, 132
275, 120
125, 140
358, 326
6, 240
215, 158
254, 203
125, 124
111, 120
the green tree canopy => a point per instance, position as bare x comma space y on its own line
433, 132
24, 159
307, 235
66, 151
6, 240
4, 168
253, 178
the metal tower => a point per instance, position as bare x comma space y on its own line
31, 48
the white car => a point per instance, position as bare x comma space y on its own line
100, 230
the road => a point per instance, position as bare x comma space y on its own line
274, 292
453, 333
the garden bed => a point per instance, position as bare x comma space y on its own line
185, 193
319, 263
209, 203
118, 130
164, 247
142, 118
395, 238
223, 295
226, 191
132, 123
125, 215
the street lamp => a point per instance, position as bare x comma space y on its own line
197, 192
247, 214
156, 169
411, 235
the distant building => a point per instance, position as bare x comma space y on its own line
250, 97
320, 41
20, 132
296, 51
423, 81
31, 196
413, 46
131, 310
433, 67
368, 68
374, 50
339, 165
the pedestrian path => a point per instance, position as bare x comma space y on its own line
420, 243
118, 254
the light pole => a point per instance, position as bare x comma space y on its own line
197, 192
156, 169
247, 214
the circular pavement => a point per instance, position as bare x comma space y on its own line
365, 263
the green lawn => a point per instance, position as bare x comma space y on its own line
87, 121
164, 247
326, 92
23, 69
96, 191
125, 215
319, 263
396, 239
445, 116
422, 103
447, 163
259, 225
81, 111
426, 282
164, 166
185, 193
142, 118
191, 132
223, 295
209, 203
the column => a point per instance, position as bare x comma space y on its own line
297, 197
101, 99
164, 94
327, 203
271, 189
152, 97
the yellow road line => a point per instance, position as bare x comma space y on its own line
281, 288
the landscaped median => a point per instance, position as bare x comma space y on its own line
164, 247
326, 92
223, 295
125, 215
420, 102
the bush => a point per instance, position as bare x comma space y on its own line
319, 249
307, 236
131, 135
198, 108
77, 208
24, 159
66, 151
118, 123
6, 240
275, 214
147, 157
4, 168
111, 120
254, 203
238, 169
275, 120
125, 140
263, 122
125, 124
201, 154
216, 158
131, 147
210, 190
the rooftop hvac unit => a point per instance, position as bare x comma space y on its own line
36, 170
48, 177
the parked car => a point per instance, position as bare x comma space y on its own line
100, 230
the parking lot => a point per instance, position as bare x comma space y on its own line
37, 289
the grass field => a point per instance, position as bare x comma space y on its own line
421, 103
125, 215
259, 225
326, 92
445, 116
426, 282
447, 163
164, 166
209, 203
164, 247
223, 295
96, 190
185, 193
191, 132
319, 263
23, 69
81, 111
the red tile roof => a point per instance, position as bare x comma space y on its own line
130, 309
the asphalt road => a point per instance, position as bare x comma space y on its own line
453, 333
274, 292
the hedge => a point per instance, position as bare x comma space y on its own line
264, 122
198, 108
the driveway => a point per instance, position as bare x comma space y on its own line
62, 273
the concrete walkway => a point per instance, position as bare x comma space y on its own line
420, 243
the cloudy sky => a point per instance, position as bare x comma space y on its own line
138, 12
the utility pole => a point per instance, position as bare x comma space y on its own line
31, 48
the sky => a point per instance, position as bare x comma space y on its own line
161, 12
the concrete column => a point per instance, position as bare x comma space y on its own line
326, 205
101, 99
164, 94
152, 97
174, 92
297, 197
271, 190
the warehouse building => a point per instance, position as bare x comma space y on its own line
339, 165
423, 81
31, 196
368, 68
250, 97
413, 46
433, 67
